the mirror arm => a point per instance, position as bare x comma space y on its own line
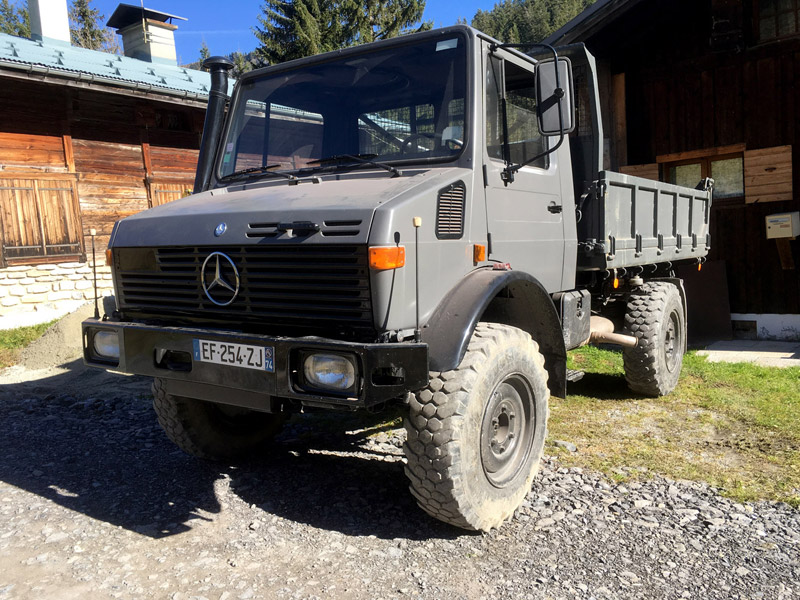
508, 173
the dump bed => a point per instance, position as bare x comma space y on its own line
634, 221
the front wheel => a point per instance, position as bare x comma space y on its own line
655, 317
476, 433
213, 431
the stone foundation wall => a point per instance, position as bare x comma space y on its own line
30, 288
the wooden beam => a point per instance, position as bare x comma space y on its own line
146, 159
620, 131
69, 154
706, 153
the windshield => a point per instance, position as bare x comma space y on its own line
399, 104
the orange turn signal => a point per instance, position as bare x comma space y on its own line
108, 256
387, 257
616, 283
478, 253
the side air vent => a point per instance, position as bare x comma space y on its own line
450, 211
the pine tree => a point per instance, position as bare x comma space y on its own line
296, 28
516, 21
83, 25
204, 51
14, 20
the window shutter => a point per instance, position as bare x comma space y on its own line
768, 174
646, 171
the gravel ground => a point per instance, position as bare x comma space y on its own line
95, 502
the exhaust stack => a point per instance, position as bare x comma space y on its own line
218, 67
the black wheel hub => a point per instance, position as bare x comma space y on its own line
507, 430
673, 343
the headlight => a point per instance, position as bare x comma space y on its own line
106, 344
329, 371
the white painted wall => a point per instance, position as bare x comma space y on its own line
773, 327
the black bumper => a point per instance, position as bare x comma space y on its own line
384, 371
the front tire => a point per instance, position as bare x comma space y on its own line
476, 433
214, 431
655, 316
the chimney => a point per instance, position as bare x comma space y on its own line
49, 21
147, 34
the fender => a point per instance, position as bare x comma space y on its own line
509, 297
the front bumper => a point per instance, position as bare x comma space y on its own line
384, 371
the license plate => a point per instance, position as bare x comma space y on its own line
261, 358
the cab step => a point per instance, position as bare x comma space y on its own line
574, 375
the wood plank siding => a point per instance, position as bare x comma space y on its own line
114, 155
699, 82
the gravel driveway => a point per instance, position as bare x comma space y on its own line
96, 503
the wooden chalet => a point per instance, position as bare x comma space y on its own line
696, 88
87, 138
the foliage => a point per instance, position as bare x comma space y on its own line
516, 21
736, 426
14, 19
204, 51
14, 340
86, 31
294, 29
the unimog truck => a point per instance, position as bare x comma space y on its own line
423, 220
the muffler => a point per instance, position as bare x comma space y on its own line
602, 332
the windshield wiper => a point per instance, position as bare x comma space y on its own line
358, 158
263, 170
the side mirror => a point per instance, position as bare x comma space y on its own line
550, 96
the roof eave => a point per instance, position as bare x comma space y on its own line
591, 20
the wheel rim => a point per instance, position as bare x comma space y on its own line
507, 430
673, 343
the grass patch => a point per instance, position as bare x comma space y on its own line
736, 426
12, 341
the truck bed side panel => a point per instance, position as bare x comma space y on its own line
636, 221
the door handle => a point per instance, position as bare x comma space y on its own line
555, 208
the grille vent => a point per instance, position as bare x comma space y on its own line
314, 289
450, 211
341, 228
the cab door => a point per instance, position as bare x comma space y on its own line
524, 217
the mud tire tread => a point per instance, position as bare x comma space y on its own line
190, 425
647, 310
434, 443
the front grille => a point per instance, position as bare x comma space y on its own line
303, 289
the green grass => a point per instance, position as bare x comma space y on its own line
736, 426
12, 341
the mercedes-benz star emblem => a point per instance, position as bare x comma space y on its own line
221, 228
220, 279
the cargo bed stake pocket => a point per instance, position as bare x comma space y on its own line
173, 360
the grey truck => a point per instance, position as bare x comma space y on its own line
423, 220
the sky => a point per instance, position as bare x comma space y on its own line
225, 26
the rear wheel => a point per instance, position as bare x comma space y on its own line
213, 431
655, 316
476, 433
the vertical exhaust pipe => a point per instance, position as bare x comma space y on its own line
218, 67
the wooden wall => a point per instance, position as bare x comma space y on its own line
123, 150
696, 79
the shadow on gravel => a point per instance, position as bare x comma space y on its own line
90, 442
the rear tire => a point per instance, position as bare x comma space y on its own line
655, 316
476, 433
213, 431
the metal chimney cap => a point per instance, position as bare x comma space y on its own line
128, 14
217, 62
